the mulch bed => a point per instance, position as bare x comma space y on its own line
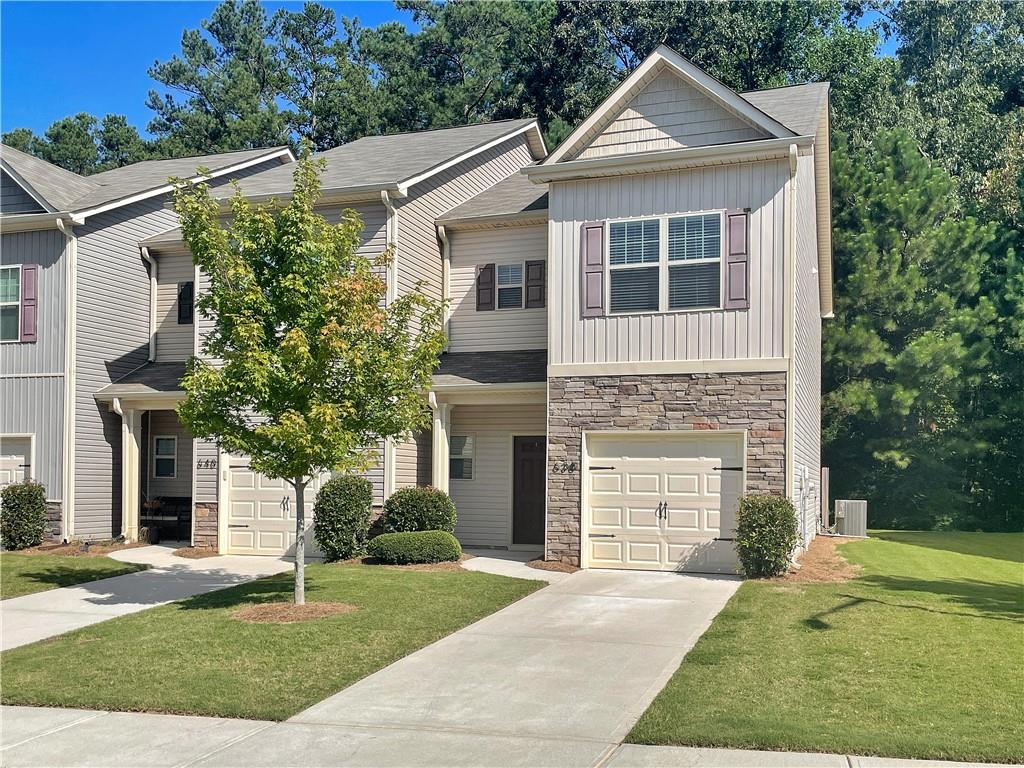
195, 553
552, 565
822, 564
289, 613
74, 549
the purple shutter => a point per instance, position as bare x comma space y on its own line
485, 288
592, 269
536, 278
737, 259
29, 302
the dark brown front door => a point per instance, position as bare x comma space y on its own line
529, 465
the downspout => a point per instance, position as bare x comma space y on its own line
152, 300
67, 522
446, 258
790, 267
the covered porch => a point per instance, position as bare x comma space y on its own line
489, 443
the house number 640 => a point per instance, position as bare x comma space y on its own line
564, 467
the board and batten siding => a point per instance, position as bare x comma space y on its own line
500, 329
484, 504
35, 406
174, 341
14, 199
756, 332
166, 424
45, 249
806, 381
669, 113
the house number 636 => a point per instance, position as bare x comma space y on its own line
564, 467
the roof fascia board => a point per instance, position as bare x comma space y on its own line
524, 218
367, 193
665, 56
29, 189
29, 222
414, 180
666, 160
145, 195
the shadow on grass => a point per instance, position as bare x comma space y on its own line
998, 546
61, 576
271, 589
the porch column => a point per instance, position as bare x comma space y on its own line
131, 447
440, 447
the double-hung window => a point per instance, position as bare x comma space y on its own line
165, 457
10, 303
186, 296
510, 286
665, 264
460, 457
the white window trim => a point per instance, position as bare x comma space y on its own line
472, 456
17, 303
173, 457
521, 285
663, 264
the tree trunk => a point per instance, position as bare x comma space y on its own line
300, 540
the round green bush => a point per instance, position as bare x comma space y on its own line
341, 516
766, 534
22, 515
418, 509
415, 547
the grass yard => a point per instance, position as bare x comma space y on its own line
921, 655
23, 573
194, 657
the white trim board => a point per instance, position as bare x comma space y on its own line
665, 367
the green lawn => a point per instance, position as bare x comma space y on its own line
920, 656
23, 574
194, 657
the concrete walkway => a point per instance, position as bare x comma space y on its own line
41, 615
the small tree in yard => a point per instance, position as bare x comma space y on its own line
312, 367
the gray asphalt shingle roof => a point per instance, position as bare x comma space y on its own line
514, 197
386, 161
519, 366
798, 107
152, 378
57, 187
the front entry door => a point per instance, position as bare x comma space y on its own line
529, 466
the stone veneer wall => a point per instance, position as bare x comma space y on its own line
205, 528
699, 401
53, 520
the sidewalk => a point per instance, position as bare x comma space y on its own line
41, 615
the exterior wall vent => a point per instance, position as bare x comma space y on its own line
852, 517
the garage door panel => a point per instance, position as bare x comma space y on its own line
606, 551
261, 513
643, 552
702, 557
643, 483
684, 519
606, 517
604, 482
677, 484
642, 517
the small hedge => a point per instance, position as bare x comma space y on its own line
22, 515
341, 516
415, 547
766, 534
418, 509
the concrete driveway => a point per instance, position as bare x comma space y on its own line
41, 615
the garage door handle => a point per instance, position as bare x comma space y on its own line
602, 535
596, 468
729, 469
239, 525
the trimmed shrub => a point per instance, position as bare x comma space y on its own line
415, 547
418, 509
766, 534
22, 515
341, 516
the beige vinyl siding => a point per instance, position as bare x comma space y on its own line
419, 252
806, 354
204, 479
669, 113
45, 249
35, 405
173, 340
756, 332
166, 424
412, 461
504, 329
14, 199
484, 504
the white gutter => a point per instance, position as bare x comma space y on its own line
29, 222
152, 300
789, 247
391, 232
70, 377
446, 264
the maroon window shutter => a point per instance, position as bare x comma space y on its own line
536, 283
485, 288
592, 269
29, 302
737, 259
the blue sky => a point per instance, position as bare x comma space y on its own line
59, 58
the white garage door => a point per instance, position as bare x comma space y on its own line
15, 455
261, 513
663, 501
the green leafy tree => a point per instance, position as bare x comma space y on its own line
71, 144
313, 368
119, 143
22, 139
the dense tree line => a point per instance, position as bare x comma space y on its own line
924, 361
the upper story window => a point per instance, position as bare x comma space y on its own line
165, 457
186, 299
668, 263
10, 304
517, 285
510, 286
